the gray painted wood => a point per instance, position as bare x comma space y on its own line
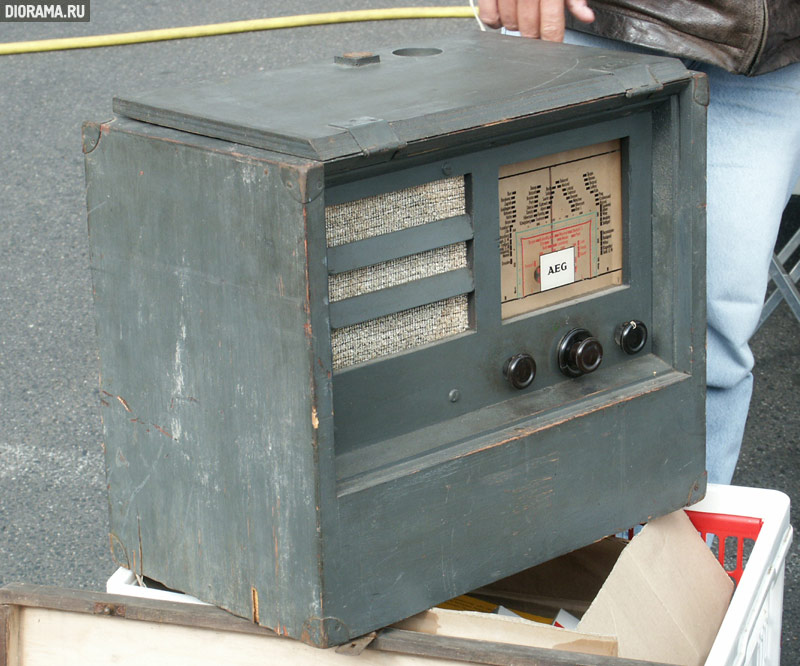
372, 402
476, 512
399, 244
272, 110
199, 273
241, 467
402, 297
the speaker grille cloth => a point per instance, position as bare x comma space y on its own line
393, 211
398, 332
397, 271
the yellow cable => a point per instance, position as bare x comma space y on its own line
118, 39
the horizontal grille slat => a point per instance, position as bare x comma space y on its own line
397, 271
399, 243
402, 297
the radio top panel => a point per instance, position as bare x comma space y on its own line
385, 102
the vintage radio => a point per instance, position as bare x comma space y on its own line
380, 330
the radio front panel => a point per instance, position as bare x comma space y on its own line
393, 394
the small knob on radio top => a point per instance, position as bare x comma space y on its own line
631, 336
579, 353
520, 370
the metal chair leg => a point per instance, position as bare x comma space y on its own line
784, 281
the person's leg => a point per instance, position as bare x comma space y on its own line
753, 163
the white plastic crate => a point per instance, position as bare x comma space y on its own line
751, 631
124, 582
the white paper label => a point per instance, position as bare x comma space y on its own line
557, 268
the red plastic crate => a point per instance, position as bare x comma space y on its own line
725, 527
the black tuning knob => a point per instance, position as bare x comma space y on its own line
579, 353
520, 370
631, 336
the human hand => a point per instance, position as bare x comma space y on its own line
539, 19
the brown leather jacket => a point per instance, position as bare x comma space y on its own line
743, 36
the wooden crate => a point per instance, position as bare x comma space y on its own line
41, 626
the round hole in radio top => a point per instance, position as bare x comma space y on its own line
414, 51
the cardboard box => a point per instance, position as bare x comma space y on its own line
663, 600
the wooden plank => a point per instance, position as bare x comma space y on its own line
486, 652
130, 608
9, 635
74, 639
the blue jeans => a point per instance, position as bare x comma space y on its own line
753, 164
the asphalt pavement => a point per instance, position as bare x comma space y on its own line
53, 522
